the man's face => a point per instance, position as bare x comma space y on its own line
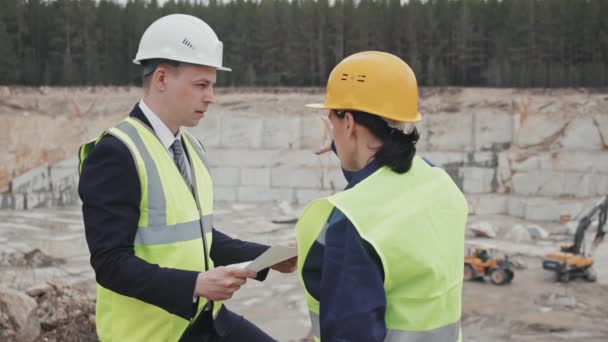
189, 92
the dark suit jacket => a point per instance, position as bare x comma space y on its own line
110, 191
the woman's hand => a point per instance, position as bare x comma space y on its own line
327, 136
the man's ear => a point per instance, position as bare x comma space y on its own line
159, 78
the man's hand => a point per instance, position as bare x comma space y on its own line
221, 283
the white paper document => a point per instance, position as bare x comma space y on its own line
272, 256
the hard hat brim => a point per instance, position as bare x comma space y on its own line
317, 106
417, 118
221, 68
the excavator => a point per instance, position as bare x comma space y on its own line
573, 261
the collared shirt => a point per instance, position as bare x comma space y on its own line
163, 132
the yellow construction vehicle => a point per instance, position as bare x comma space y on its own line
480, 262
573, 261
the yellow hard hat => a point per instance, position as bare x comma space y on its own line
374, 82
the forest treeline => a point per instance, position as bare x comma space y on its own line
494, 43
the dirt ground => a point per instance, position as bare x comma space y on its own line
534, 307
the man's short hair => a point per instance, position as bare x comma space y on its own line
150, 65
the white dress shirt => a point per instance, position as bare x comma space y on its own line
163, 132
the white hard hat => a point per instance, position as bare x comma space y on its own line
182, 38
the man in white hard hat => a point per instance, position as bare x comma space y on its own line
148, 204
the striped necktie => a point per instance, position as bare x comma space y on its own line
179, 157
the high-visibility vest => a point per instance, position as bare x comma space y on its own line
416, 223
169, 232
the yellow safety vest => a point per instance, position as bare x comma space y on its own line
169, 232
416, 223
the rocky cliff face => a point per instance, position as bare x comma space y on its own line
535, 154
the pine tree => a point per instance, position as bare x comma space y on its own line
8, 58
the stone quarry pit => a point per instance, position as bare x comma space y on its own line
524, 158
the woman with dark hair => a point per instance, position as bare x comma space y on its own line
383, 259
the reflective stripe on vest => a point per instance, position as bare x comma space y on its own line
155, 235
446, 333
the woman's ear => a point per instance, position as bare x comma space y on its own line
350, 123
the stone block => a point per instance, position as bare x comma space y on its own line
528, 183
208, 131
580, 161
444, 159
264, 194
545, 161
450, 132
70, 163
38, 200
598, 185
550, 209
65, 197
34, 180
487, 204
224, 193
538, 129
493, 130
477, 179
226, 176
551, 183
518, 233
64, 175
581, 134
255, 176
297, 177
601, 121
312, 132
64, 183
566, 184
305, 196
7, 200
516, 206
305, 158
483, 229
537, 232
19, 201
333, 179
504, 174
241, 131
482, 159
280, 133
242, 157
525, 160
